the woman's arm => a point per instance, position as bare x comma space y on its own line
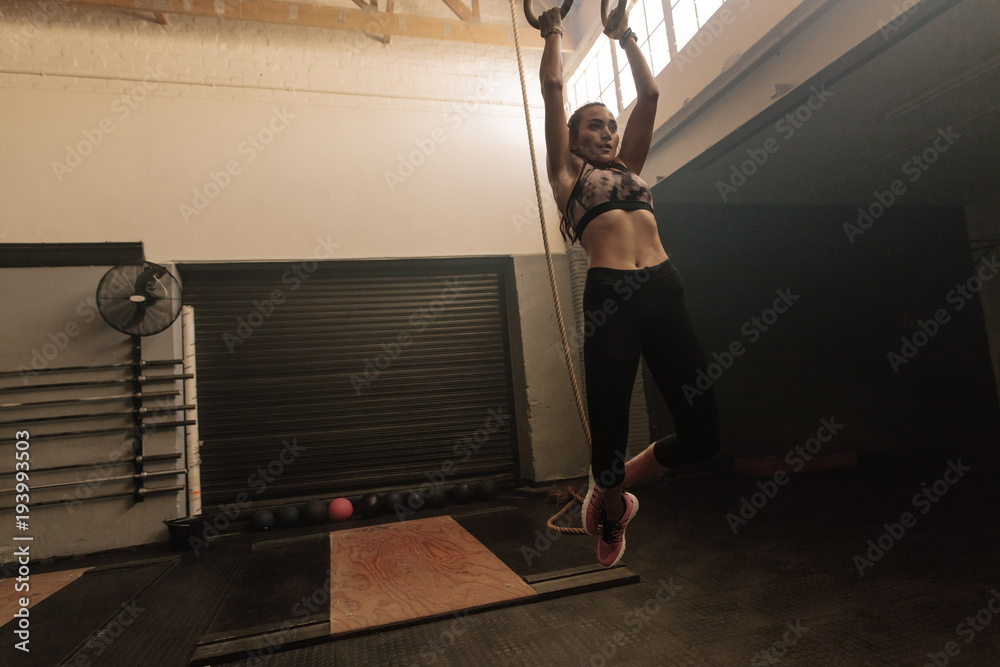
559, 159
639, 130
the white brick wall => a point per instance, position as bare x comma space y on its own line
94, 48
65, 68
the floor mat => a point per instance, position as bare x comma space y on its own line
72, 618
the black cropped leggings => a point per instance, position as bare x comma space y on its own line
643, 311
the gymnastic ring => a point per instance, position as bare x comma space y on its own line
529, 13
616, 16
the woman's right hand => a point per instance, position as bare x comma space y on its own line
620, 28
551, 19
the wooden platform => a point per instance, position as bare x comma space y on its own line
401, 571
41, 586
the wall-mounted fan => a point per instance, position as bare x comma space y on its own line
139, 299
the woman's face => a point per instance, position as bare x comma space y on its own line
597, 138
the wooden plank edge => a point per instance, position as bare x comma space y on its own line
531, 579
586, 582
233, 649
319, 632
264, 629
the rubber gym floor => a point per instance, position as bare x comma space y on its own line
890, 562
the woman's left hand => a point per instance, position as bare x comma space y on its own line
620, 29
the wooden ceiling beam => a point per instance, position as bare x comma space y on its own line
368, 20
461, 11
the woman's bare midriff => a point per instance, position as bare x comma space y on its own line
623, 240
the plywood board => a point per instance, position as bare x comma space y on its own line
40, 587
396, 572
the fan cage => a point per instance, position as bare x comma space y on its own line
139, 299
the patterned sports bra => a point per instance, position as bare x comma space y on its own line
600, 190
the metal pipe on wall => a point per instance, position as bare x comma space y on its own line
193, 444
70, 369
141, 492
99, 415
101, 480
99, 383
90, 399
147, 459
148, 426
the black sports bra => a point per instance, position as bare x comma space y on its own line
600, 190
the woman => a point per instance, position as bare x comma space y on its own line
607, 208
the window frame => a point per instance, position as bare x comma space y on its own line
584, 71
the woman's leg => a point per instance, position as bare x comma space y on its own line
643, 468
674, 356
611, 358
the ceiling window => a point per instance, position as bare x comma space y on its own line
689, 17
662, 26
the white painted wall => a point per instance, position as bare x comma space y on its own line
227, 140
51, 321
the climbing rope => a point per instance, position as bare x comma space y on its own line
545, 235
552, 275
559, 496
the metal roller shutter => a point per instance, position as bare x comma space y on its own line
332, 378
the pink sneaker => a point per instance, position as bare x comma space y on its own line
611, 546
592, 512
